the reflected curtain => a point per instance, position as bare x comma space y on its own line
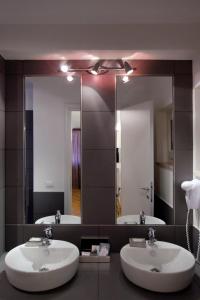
76, 158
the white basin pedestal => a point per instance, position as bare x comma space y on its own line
164, 267
40, 268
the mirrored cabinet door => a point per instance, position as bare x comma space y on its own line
53, 150
144, 151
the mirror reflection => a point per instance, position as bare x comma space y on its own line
53, 150
144, 151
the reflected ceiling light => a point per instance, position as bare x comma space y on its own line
125, 79
64, 68
70, 78
128, 68
95, 70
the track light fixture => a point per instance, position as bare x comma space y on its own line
95, 70
99, 68
64, 68
128, 68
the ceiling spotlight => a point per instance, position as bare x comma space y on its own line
64, 68
128, 68
70, 78
125, 79
95, 70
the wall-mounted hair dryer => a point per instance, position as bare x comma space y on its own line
192, 197
192, 193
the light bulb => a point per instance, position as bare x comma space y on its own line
70, 78
64, 68
125, 79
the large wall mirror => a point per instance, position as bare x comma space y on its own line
144, 150
53, 150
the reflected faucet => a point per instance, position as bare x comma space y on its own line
142, 218
151, 236
48, 235
58, 217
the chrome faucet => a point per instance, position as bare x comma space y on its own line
48, 235
142, 218
58, 217
151, 236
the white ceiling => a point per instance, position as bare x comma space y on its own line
92, 29
99, 12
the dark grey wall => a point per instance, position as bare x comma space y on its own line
98, 149
183, 139
14, 175
2, 154
163, 211
118, 235
47, 203
98, 164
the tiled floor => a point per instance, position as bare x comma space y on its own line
98, 282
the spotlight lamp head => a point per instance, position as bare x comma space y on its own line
128, 68
95, 70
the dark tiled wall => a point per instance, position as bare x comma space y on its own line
163, 211
47, 203
14, 148
98, 115
98, 149
2, 154
118, 234
29, 167
183, 139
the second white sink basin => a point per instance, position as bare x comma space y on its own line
164, 267
41, 268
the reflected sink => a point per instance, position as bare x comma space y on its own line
65, 219
134, 219
164, 267
41, 268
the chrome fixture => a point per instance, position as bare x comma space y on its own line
142, 218
128, 68
46, 242
99, 68
48, 231
58, 217
151, 236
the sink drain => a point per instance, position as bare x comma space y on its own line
43, 269
155, 270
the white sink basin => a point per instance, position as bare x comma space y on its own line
40, 268
164, 267
65, 219
134, 219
